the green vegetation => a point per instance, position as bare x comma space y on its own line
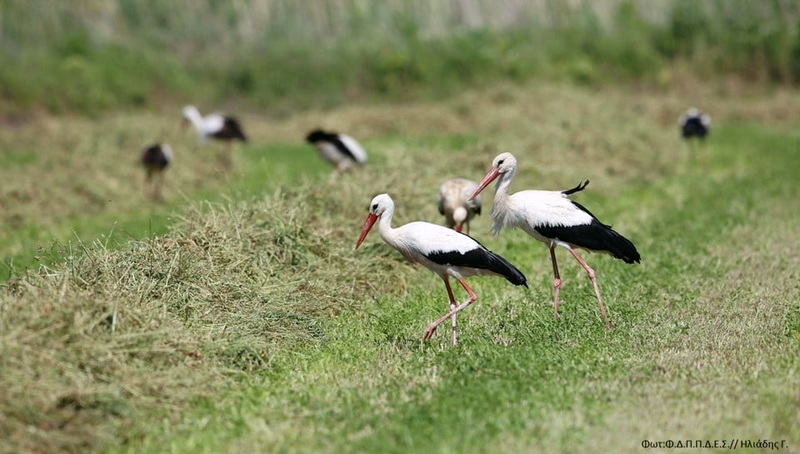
91, 56
235, 315
253, 325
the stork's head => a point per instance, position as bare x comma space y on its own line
695, 114
459, 216
379, 205
190, 111
502, 164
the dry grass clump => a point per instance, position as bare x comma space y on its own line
110, 339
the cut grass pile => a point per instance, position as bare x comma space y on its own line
253, 325
110, 335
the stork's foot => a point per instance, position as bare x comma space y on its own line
429, 332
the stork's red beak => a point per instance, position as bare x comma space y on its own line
371, 218
490, 176
458, 228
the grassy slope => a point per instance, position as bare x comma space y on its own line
76, 180
238, 330
705, 345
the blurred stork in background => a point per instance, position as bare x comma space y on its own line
695, 126
155, 159
218, 127
454, 204
340, 150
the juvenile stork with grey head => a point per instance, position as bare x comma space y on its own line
454, 203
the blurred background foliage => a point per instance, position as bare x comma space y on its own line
91, 56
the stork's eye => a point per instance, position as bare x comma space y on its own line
374, 207
500, 162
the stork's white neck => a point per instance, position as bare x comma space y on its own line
388, 234
500, 207
193, 115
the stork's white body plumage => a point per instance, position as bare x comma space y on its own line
455, 205
532, 208
552, 218
442, 250
205, 126
418, 241
216, 126
355, 148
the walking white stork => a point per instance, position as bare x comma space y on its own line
155, 159
340, 150
695, 126
442, 250
552, 218
215, 126
453, 203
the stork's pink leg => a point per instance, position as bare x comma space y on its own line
556, 281
472, 297
453, 305
594, 284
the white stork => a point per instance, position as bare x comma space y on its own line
340, 150
453, 203
552, 218
442, 250
155, 159
695, 126
215, 126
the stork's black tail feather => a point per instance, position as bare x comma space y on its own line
594, 236
580, 187
620, 247
231, 130
482, 259
602, 238
504, 268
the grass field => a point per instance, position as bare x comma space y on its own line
249, 324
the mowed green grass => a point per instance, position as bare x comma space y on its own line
705, 344
254, 326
